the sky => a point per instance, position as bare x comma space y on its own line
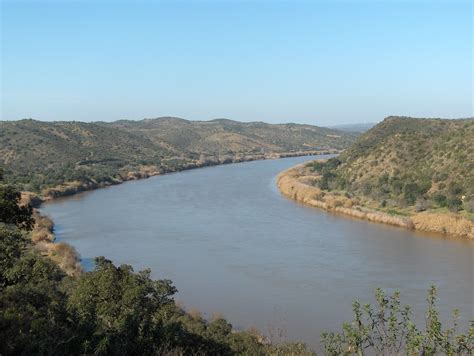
316, 62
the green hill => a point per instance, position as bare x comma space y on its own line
37, 155
407, 163
224, 136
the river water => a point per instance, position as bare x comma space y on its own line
233, 245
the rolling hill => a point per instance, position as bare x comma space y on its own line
37, 155
403, 161
415, 173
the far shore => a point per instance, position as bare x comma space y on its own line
294, 184
74, 187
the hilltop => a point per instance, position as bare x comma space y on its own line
414, 172
37, 155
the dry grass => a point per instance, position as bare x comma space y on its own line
64, 255
294, 184
43, 229
66, 258
446, 223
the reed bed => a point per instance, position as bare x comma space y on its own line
294, 184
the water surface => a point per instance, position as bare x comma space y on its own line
232, 244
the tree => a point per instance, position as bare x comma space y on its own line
118, 309
10, 210
33, 314
12, 245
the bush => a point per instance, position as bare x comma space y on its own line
469, 206
411, 192
422, 205
440, 199
454, 204
388, 329
455, 189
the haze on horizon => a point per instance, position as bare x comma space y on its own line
323, 63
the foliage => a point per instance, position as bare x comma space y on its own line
388, 329
10, 210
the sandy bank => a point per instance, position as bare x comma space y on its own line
294, 184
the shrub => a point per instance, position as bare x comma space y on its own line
469, 206
411, 191
455, 189
440, 199
454, 204
422, 205
387, 329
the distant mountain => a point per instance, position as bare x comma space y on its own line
362, 127
39, 154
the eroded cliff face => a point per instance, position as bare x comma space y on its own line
296, 184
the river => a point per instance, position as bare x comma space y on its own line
233, 245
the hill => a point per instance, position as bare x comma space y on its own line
224, 136
418, 169
403, 160
37, 155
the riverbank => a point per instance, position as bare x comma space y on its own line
294, 183
65, 255
44, 239
74, 187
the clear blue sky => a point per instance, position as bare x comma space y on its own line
319, 62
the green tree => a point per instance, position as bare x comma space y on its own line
118, 309
33, 314
10, 210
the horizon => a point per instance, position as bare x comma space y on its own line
335, 126
320, 63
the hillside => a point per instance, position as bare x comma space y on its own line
418, 172
224, 136
37, 155
403, 160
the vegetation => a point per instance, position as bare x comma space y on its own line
99, 153
405, 163
387, 329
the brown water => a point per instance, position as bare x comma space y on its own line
232, 244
